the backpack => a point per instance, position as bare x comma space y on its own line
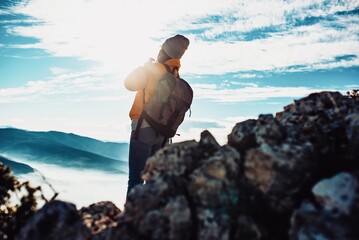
167, 107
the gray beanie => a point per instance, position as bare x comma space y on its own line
175, 46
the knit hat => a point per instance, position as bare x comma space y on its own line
175, 46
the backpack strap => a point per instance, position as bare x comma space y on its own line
169, 69
165, 140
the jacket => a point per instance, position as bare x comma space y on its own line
145, 78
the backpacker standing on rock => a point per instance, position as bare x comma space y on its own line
160, 104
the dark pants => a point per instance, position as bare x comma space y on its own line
147, 143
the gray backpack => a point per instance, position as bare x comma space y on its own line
167, 108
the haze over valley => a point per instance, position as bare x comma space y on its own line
81, 169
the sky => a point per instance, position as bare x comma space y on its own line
63, 62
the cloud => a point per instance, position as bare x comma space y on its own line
316, 46
351, 86
244, 17
4, 12
63, 82
248, 75
58, 71
81, 187
251, 93
199, 123
218, 30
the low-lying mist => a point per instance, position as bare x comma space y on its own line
81, 187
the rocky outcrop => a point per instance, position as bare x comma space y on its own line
289, 176
57, 220
335, 216
99, 216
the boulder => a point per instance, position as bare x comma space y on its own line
56, 220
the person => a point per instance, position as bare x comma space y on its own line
144, 79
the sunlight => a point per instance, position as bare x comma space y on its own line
116, 34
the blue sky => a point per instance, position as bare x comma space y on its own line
62, 62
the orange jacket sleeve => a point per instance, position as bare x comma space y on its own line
137, 79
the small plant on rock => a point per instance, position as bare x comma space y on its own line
18, 202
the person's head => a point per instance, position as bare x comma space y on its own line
173, 47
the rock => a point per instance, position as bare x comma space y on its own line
152, 213
172, 161
248, 229
337, 194
333, 214
99, 216
213, 190
163, 200
280, 172
268, 130
214, 183
352, 134
324, 119
3, 236
242, 136
56, 220
310, 222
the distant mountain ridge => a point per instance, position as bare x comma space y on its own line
17, 168
63, 149
107, 149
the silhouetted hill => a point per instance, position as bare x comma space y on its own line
17, 168
59, 149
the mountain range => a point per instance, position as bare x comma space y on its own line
61, 149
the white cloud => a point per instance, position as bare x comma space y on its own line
63, 82
248, 15
321, 66
230, 95
246, 84
204, 86
314, 45
58, 71
248, 75
351, 86
4, 12
81, 187
122, 33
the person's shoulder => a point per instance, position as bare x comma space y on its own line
151, 65
155, 67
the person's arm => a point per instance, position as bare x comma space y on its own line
136, 80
